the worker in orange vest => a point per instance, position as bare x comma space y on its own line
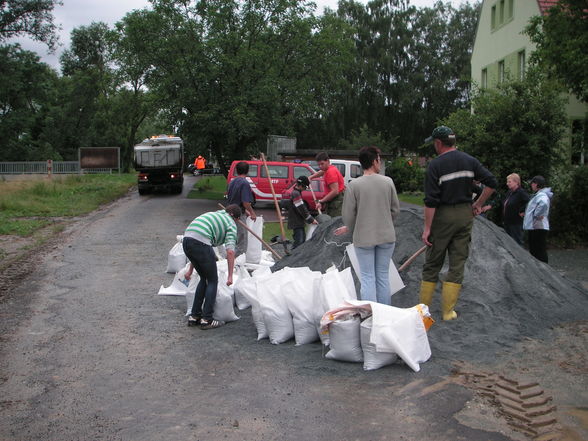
200, 162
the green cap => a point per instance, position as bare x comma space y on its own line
443, 133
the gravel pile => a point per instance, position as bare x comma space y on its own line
507, 294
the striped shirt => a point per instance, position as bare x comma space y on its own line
218, 227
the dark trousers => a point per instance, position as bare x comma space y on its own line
538, 244
203, 259
515, 231
299, 236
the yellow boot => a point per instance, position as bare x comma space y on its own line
449, 296
426, 293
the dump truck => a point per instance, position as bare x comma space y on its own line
159, 160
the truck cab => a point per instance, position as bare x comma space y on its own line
160, 161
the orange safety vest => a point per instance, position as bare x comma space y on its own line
200, 163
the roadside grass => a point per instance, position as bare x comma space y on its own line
412, 198
210, 187
271, 229
26, 207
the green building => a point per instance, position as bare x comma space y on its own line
501, 52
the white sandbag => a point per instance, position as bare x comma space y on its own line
345, 340
267, 256
396, 283
240, 300
311, 229
372, 359
248, 288
299, 295
332, 292
276, 315
176, 259
347, 279
253, 253
223, 306
401, 331
178, 287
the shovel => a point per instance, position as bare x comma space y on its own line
321, 217
283, 240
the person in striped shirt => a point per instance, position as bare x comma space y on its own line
206, 231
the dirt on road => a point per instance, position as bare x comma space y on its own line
89, 351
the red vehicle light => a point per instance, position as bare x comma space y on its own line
173, 175
143, 177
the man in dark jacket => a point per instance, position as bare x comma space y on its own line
449, 216
298, 215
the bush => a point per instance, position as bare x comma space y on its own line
567, 217
407, 175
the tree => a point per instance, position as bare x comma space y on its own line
516, 128
28, 91
561, 37
33, 18
230, 73
411, 69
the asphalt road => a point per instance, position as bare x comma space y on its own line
90, 352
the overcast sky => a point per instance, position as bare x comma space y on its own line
74, 13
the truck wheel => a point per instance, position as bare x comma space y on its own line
143, 191
177, 189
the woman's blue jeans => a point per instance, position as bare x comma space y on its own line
203, 259
374, 266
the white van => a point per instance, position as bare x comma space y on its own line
349, 169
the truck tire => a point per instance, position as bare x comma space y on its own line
143, 191
176, 189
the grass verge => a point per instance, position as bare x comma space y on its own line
210, 187
26, 206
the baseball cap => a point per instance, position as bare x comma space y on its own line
442, 132
539, 180
303, 180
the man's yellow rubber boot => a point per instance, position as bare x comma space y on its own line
426, 293
449, 296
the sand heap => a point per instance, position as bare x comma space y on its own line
507, 294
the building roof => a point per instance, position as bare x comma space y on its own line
545, 5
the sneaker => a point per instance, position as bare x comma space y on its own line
210, 324
193, 321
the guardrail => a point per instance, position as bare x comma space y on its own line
46, 167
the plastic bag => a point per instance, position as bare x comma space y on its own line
176, 259
345, 340
253, 253
372, 359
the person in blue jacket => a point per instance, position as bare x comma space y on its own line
536, 220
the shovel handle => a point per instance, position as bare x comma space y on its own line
412, 258
255, 235
314, 198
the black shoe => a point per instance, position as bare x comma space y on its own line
210, 324
194, 321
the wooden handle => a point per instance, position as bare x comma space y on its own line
255, 235
314, 198
269, 178
412, 258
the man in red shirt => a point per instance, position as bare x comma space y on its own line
332, 202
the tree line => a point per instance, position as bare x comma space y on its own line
225, 74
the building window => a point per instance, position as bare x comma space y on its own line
493, 18
501, 13
501, 71
484, 78
510, 8
521, 64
